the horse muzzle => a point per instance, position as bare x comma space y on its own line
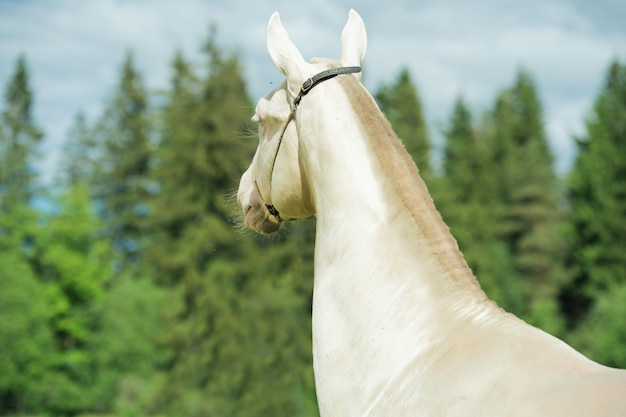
255, 212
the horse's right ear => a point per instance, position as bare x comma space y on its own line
284, 53
353, 42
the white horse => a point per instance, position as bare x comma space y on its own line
400, 324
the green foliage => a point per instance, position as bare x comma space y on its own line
72, 265
467, 158
527, 188
18, 139
121, 181
602, 335
469, 202
597, 192
138, 295
25, 338
80, 154
499, 195
195, 247
127, 346
233, 328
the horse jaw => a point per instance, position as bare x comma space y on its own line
275, 175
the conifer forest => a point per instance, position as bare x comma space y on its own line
137, 291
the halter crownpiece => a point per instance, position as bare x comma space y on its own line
322, 76
304, 90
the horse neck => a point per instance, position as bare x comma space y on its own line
368, 194
390, 283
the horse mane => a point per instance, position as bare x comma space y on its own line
404, 177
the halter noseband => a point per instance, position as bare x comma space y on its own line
304, 90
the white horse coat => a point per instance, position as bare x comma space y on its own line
400, 324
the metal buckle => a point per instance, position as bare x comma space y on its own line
307, 85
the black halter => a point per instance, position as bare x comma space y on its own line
304, 90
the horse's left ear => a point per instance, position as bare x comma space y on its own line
353, 41
285, 55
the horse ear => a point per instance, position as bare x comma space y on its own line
284, 53
353, 41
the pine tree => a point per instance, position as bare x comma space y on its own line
466, 157
25, 339
80, 154
597, 195
19, 138
201, 122
470, 205
528, 190
401, 104
72, 265
127, 353
601, 335
124, 134
233, 330
177, 175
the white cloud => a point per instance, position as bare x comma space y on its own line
75, 49
476, 48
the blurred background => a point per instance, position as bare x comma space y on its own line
128, 286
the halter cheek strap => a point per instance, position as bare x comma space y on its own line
304, 90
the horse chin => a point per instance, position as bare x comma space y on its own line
268, 227
261, 222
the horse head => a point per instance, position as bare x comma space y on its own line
275, 187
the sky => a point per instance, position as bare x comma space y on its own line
75, 49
